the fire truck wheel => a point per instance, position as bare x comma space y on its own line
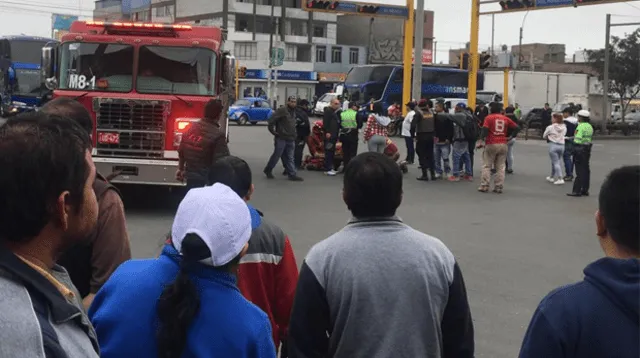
243, 120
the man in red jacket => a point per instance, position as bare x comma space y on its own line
268, 273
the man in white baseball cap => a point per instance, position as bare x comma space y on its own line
185, 302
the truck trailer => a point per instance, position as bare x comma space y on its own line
144, 84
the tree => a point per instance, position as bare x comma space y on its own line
624, 67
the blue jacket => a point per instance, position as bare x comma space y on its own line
597, 317
227, 325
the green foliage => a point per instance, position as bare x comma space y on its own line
624, 66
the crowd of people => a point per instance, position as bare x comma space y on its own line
227, 284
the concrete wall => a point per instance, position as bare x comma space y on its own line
344, 66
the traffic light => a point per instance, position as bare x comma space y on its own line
368, 9
242, 72
485, 60
464, 61
322, 4
516, 4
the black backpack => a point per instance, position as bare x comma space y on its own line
470, 128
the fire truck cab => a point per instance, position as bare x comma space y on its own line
144, 84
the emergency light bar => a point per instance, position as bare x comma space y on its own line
139, 25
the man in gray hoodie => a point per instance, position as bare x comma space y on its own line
282, 125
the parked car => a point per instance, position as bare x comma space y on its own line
322, 102
250, 110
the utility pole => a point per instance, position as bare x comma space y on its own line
493, 32
270, 55
370, 54
434, 52
605, 75
417, 62
520, 50
406, 56
275, 76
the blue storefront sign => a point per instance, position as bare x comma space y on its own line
255, 74
63, 22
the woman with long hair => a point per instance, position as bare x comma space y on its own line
554, 134
375, 132
185, 303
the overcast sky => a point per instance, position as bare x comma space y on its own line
578, 28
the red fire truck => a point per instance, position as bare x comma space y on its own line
144, 83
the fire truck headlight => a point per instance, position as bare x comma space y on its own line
180, 127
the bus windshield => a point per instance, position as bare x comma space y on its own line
367, 83
96, 67
176, 70
26, 51
27, 82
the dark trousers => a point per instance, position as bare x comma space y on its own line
567, 157
472, 150
301, 142
424, 148
329, 154
282, 149
411, 151
581, 158
349, 146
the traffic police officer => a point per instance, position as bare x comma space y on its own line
582, 154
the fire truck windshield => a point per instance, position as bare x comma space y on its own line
176, 70
96, 67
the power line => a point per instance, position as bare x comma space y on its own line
633, 6
20, 6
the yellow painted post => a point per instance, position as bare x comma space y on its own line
406, 57
237, 86
473, 54
505, 89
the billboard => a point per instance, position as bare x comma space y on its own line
62, 22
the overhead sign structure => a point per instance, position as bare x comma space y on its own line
277, 56
356, 8
528, 5
62, 22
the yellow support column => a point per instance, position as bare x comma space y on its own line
505, 89
406, 58
473, 54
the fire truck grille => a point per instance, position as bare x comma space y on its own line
134, 129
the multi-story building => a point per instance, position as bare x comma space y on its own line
535, 55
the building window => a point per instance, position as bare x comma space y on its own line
336, 55
163, 11
353, 56
295, 28
319, 30
246, 50
321, 54
290, 53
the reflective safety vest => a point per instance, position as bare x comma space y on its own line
348, 119
584, 134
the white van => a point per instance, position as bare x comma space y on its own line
323, 101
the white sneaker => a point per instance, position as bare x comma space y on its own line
331, 173
559, 182
550, 180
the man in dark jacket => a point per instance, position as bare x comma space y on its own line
201, 145
444, 137
481, 112
91, 263
303, 130
423, 125
331, 125
599, 316
282, 125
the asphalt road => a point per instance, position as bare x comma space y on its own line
513, 248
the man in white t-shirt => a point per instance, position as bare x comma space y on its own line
571, 123
407, 134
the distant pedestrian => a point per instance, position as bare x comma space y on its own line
598, 316
268, 274
282, 126
47, 206
349, 305
409, 134
582, 143
423, 124
185, 303
444, 137
303, 130
349, 133
331, 125
494, 133
546, 115
554, 134
517, 112
91, 263
375, 131
509, 112
481, 112
571, 123
463, 133
203, 143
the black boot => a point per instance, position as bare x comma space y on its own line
433, 175
424, 176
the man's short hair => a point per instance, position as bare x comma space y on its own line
568, 111
41, 156
495, 107
70, 108
232, 172
509, 110
619, 205
213, 109
372, 185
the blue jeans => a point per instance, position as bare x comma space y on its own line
510, 153
411, 151
461, 156
282, 149
568, 158
442, 152
555, 153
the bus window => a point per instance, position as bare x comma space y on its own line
398, 75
